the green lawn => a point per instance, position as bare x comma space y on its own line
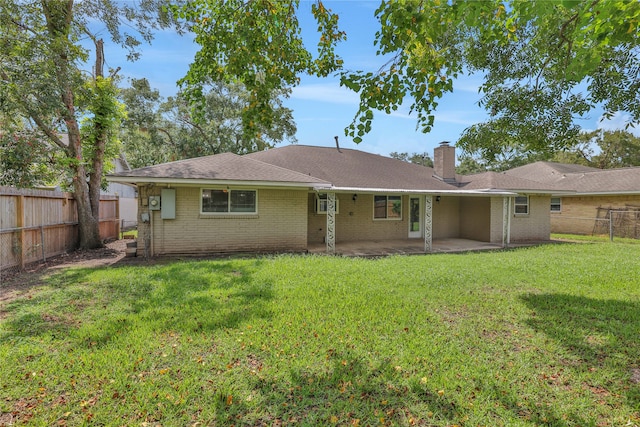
547, 335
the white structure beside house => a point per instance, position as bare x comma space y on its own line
293, 197
127, 194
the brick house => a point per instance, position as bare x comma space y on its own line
293, 197
590, 193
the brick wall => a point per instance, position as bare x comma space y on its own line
535, 226
475, 218
355, 222
497, 218
279, 225
446, 217
578, 214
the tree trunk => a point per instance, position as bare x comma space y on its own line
59, 17
89, 226
95, 180
88, 222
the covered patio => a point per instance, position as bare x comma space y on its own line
403, 247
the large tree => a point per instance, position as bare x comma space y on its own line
48, 89
257, 43
544, 64
416, 158
157, 130
603, 149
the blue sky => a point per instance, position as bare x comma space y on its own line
321, 108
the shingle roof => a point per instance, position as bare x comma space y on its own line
223, 167
327, 166
582, 179
502, 181
353, 168
546, 171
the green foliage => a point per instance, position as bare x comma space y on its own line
416, 158
599, 149
107, 114
258, 44
469, 165
615, 149
160, 130
491, 158
22, 161
536, 336
543, 63
44, 85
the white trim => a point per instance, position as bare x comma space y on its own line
528, 212
203, 182
366, 190
599, 193
317, 207
415, 234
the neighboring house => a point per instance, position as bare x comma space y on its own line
293, 197
127, 194
593, 193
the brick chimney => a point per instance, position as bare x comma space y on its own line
444, 162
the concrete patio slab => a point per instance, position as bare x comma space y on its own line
403, 247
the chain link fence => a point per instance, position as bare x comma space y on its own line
623, 223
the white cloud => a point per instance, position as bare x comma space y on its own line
325, 93
618, 122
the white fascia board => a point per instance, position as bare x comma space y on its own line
601, 193
201, 182
487, 192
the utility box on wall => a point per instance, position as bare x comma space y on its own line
168, 210
154, 203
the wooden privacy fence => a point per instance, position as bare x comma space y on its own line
38, 224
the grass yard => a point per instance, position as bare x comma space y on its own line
536, 336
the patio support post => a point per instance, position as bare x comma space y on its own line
428, 224
506, 221
331, 223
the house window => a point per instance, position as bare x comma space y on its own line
387, 207
321, 203
556, 204
521, 205
229, 201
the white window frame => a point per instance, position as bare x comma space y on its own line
386, 218
321, 204
526, 204
229, 191
559, 204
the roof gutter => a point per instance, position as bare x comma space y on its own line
601, 193
487, 192
199, 182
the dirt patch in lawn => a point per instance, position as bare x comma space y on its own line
19, 284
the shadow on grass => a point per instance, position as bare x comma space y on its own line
186, 297
345, 391
601, 334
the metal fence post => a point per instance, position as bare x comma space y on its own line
610, 225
